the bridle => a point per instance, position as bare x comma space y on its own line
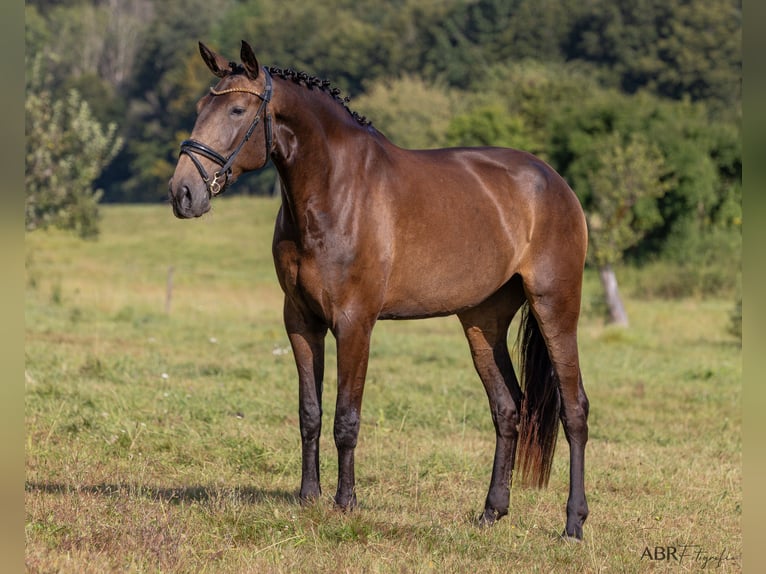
221, 177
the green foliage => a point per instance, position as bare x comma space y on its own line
66, 149
346, 42
515, 105
468, 38
623, 181
36, 33
168, 77
699, 159
623, 184
538, 91
694, 263
410, 112
676, 49
490, 125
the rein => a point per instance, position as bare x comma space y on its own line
220, 179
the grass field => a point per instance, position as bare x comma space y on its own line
168, 441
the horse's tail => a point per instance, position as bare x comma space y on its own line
539, 424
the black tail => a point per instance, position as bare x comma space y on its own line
539, 425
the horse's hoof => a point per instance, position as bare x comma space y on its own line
488, 518
482, 521
575, 538
345, 505
309, 498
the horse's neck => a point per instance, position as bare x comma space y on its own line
312, 132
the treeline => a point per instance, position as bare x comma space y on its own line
584, 84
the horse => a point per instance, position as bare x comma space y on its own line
369, 231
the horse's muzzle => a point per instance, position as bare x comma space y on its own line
183, 201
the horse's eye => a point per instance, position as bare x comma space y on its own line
237, 111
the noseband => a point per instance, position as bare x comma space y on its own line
221, 177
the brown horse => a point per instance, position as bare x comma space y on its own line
370, 231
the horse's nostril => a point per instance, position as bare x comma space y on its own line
185, 198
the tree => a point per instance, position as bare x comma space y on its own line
702, 156
410, 112
161, 111
676, 48
516, 104
491, 125
66, 149
624, 183
326, 38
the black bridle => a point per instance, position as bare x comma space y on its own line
191, 147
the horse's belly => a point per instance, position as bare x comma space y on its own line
445, 282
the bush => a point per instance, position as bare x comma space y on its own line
706, 265
66, 149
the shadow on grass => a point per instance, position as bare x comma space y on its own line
177, 495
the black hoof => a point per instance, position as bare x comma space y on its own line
345, 504
575, 536
309, 498
489, 517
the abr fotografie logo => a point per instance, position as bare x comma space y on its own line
685, 553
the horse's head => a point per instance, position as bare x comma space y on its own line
232, 114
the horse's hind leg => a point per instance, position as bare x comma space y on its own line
556, 305
486, 328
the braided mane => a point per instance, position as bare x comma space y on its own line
312, 82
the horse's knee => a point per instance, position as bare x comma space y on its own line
310, 423
346, 429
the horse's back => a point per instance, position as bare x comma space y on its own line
463, 222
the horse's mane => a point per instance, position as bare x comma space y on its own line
312, 82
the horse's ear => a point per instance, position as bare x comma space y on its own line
217, 64
249, 61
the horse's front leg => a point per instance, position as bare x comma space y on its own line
353, 354
307, 341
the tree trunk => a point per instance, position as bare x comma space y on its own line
617, 314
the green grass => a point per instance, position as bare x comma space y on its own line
168, 442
